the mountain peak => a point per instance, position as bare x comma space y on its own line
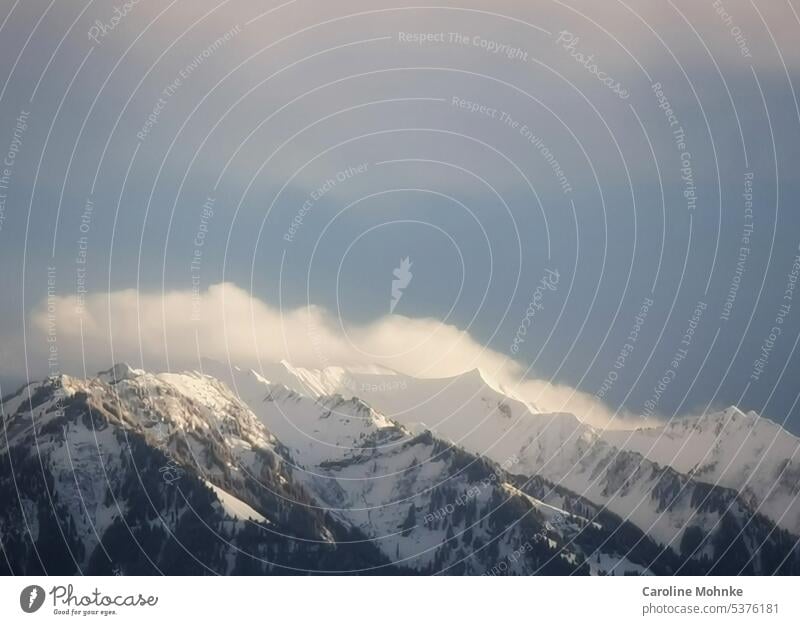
733, 411
120, 371
733, 414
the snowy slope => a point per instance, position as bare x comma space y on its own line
235, 508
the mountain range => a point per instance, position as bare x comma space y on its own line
363, 470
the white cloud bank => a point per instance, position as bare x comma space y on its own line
172, 330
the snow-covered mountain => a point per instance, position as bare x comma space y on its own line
671, 502
347, 470
742, 451
143, 474
173, 473
413, 491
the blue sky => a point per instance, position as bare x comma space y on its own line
280, 104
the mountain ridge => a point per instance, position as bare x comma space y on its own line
370, 487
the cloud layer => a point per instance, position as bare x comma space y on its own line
174, 329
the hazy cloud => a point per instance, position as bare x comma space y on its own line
172, 330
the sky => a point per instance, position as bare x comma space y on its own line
598, 201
